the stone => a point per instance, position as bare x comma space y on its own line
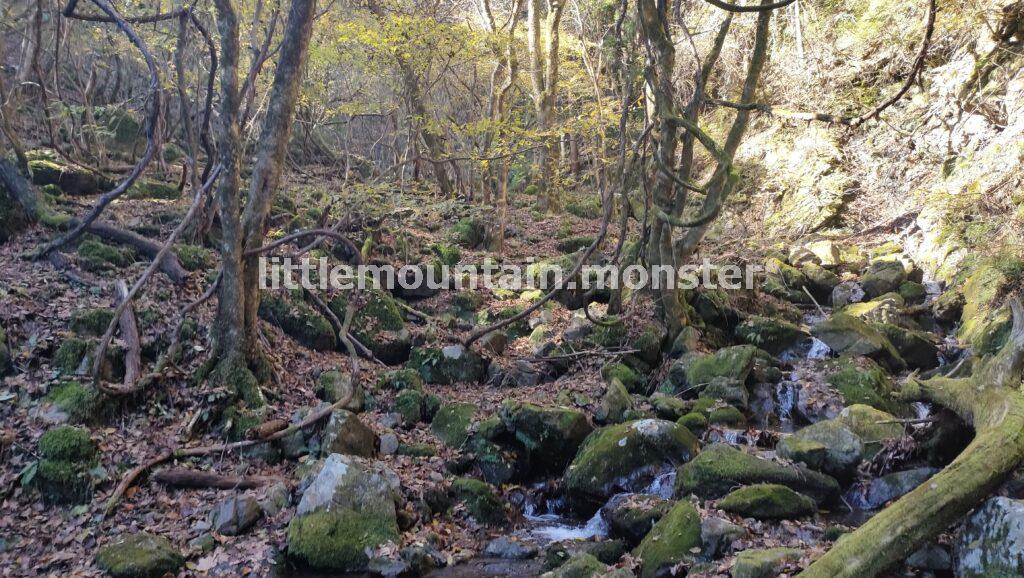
631, 516
720, 468
607, 551
873, 427
991, 543
615, 402
624, 458
377, 323
717, 536
141, 555
727, 390
71, 179
66, 454
581, 565
670, 540
888, 308
389, 444
691, 372
423, 559
235, 515
767, 563
494, 342
820, 281
508, 548
772, 335
480, 500
919, 349
449, 364
848, 335
523, 373
912, 293
931, 557
451, 424
277, 498
409, 405
875, 494
631, 380
335, 384
786, 282
667, 406
298, 320
862, 381
551, 435
883, 277
840, 451
846, 293
346, 508
767, 502
346, 434
948, 306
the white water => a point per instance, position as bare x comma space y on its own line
554, 528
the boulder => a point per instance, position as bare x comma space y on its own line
235, 515
919, 349
409, 405
932, 557
377, 324
507, 548
875, 494
846, 293
720, 468
991, 543
786, 282
625, 458
691, 372
141, 555
298, 320
346, 508
631, 380
452, 421
670, 540
772, 335
335, 384
717, 536
581, 565
862, 381
631, 516
72, 180
827, 446
550, 434
847, 335
883, 276
820, 281
449, 364
767, 502
66, 454
727, 390
480, 500
888, 308
873, 427
614, 403
767, 563
346, 434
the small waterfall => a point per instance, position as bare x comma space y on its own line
662, 485
555, 529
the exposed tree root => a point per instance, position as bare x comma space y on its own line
990, 401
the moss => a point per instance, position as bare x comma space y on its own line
73, 180
649, 341
377, 323
338, 539
629, 378
92, 322
768, 502
764, 563
771, 335
694, 421
883, 277
70, 354
847, 335
573, 244
98, 256
480, 500
401, 379
719, 468
335, 384
551, 434
240, 421
448, 365
871, 425
416, 450
587, 208
67, 443
611, 333
153, 190
451, 424
409, 404
727, 416
861, 381
581, 565
193, 257
446, 254
81, 403
233, 374
470, 233
299, 321
141, 555
912, 292
986, 321
670, 540
468, 301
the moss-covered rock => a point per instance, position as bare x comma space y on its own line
72, 180
670, 540
631, 516
919, 349
767, 563
883, 276
847, 335
625, 458
67, 443
194, 257
400, 379
146, 189
820, 281
335, 384
298, 320
827, 446
581, 565
96, 255
452, 422
874, 427
449, 364
346, 434
767, 502
786, 282
81, 403
66, 455
471, 233
480, 500
141, 555
668, 406
690, 373
727, 416
13, 217
338, 540
862, 381
409, 405
888, 308
694, 421
68, 357
728, 391
614, 404
720, 468
377, 324
630, 379
771, 335
912, 293
91, 322
550, 434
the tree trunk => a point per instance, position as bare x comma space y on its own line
542, 44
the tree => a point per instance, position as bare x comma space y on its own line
543, 21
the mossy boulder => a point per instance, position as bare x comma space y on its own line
728, 391
67, 443
919, 349
409, 405
580, 565
693, 371
820, 281
625, 458
449, 364
82, 403
883, 276
98, 256
768, 502
141, 555
471, 233
668, 406
985, 320
452, 422
827, 446
194, 257
146, 189
91, 322
847, 335
377, 324
694, 421
401, 379
786, 282
298, 320
630, 379
551, 434
72, 180
481, 501
874, 427
861, 381
346, 434
68, 357
912, 293
888, 308
727, 416
66, 455
720, 468
771, 335
767, 563
335, 384
13, 217
670, 540
614, 404
631, 516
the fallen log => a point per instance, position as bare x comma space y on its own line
185, 478
990, 400
130, 335
169, 264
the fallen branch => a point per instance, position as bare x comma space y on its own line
129, 334
186, 478
587, 353
170, 264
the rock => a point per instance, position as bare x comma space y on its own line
874, 494
912, 293
847, 335
66, 454
607, 551
377, 324
727, 416
235, 515
693, 371
277, 498
846, 293
786, 282
409, 405
771, 335
919, 349
727, 390
72, 180
631, 380
449, 364
883, 277
204, 542
498, 463
298, 320
480, 500
401, 379
523, 373
581, 565
694, 421
948, 306
820, 281
423, 559
862, 381
872, 426
668, 407
346, 508
551, 435
386, 567
451, 424
578, 329
494, 342
827, 446
141, 555
624, 458
389, 444
720, 468
507, 548
335, 384
717, 536
764, 563
614, 404
767, 502
631, 516
670, 540
888, 308
931, 557
345, 434
991, 543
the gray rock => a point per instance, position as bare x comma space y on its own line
235, 515
423, 559
388, 444
523, 374
578, 329
510, 549
717, 536
388, 567
278, 497
876, 493
827, 446
345, 434
992, 541
883, 277
631, 516
728, 390
495, 342
845, 293
343, 482
931, 557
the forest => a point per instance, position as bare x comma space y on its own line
502, 288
